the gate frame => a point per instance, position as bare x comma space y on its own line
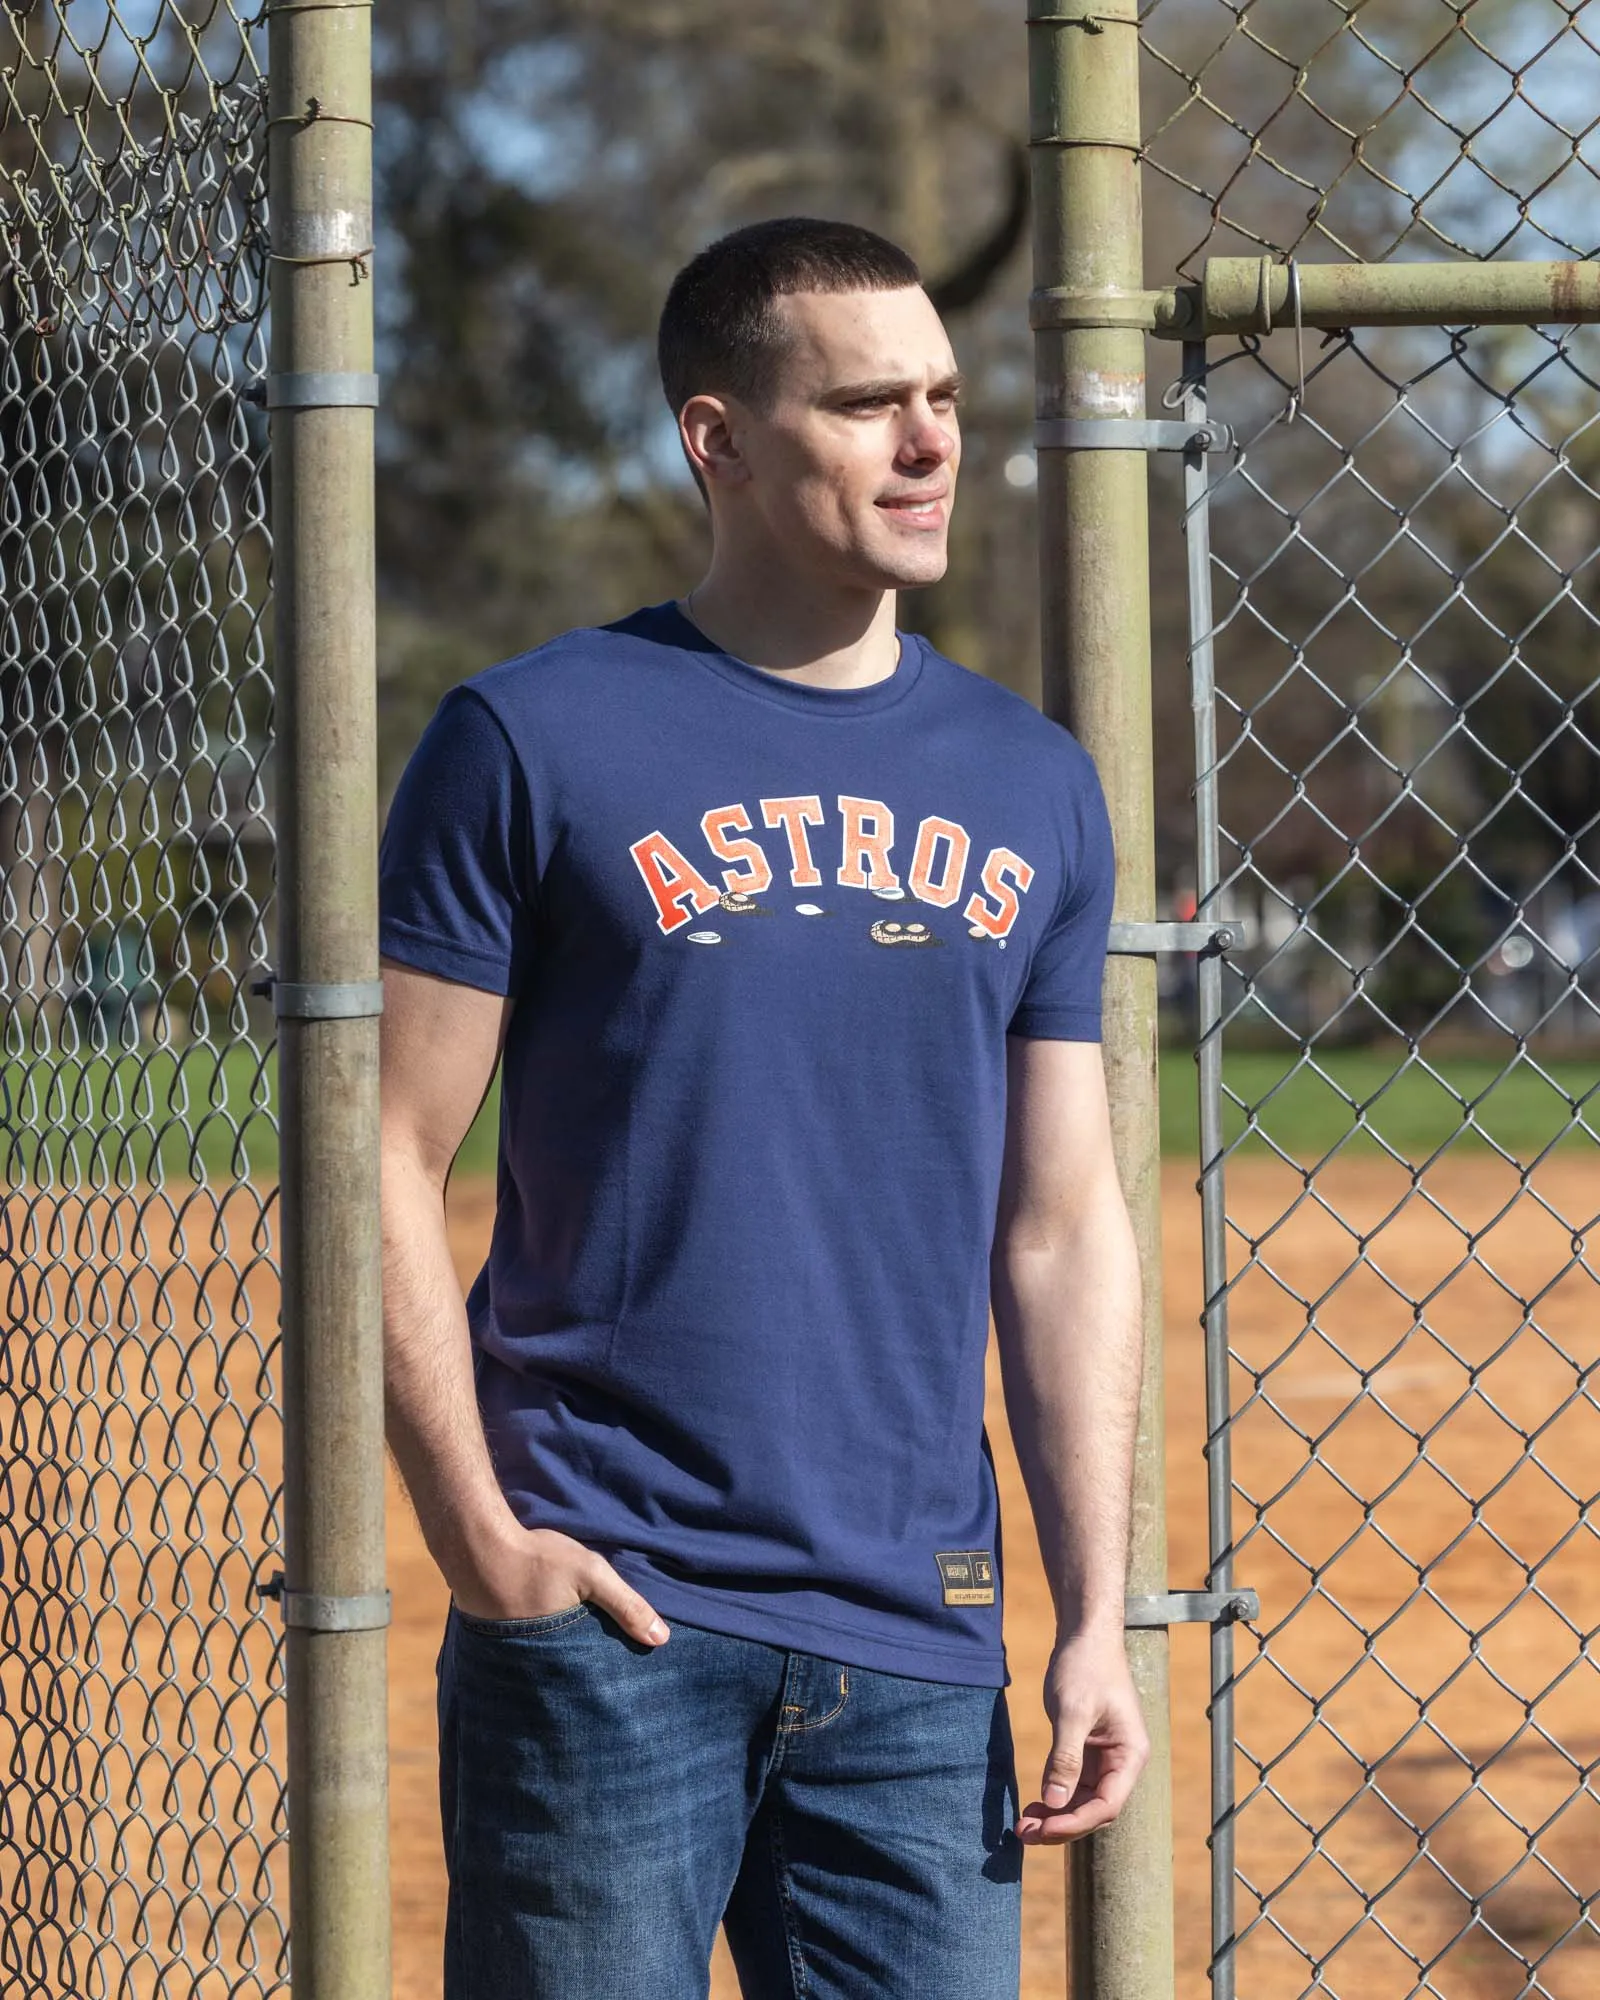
1255, 296
1091, 312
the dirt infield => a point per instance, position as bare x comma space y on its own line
1474, 1331
1418, 1437
138, 1472
1415, 1445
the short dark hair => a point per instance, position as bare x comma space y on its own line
719, 329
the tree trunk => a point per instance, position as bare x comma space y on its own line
912, 193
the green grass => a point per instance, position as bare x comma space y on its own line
1307, 1117
160, 1114
147, 1115
479, 1147
113, 1121
1413, 1111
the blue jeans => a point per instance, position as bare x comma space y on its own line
606, 1805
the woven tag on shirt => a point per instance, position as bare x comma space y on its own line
967, 1576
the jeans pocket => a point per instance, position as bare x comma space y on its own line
522, 1628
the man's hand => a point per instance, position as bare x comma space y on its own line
1100, 1742
534, 1571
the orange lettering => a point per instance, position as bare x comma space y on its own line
794, 816
717, 826
958, 846
1001, 863
864, 863
672, 882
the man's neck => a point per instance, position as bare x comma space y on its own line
795, 631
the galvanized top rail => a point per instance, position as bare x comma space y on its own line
1260, 295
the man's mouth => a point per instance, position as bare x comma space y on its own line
923, 510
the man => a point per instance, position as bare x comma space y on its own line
790, 934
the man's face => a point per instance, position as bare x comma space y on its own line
853, 466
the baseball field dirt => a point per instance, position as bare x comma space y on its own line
1415, 1443
1474, 1321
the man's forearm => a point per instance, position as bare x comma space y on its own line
431, 1407
1067, 1317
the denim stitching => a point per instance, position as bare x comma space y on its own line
455, 1922
520, 1628
794, 1728
798, 1983
783, 1728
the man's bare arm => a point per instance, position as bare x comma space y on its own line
1065, 1286
440, 1044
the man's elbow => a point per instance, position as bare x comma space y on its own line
1089, 1217
412, 1182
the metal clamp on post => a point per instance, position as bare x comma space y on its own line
316, 1611
1129, 434
316, 389
322, 1000
1055, 309
1154, 940
1189, 1607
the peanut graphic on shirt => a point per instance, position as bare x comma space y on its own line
887, 933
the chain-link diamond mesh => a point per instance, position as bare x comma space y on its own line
1405, 631
1371, 129
141, 1824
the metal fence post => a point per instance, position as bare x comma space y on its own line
320, 391
1093, 519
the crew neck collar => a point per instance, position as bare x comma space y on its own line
673, 629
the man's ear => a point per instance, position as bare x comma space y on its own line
709, 429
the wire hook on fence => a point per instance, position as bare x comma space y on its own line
315, 115
360, 267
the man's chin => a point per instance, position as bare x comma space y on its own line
925, 577
909, 569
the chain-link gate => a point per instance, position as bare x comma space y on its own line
141, 1715
1394, 611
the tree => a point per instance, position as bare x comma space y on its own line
543, 170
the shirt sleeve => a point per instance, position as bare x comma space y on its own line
1061, 1000
456, 863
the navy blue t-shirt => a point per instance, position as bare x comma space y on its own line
766, 942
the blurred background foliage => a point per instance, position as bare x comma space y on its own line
1406, 630
1408, 647
544, 169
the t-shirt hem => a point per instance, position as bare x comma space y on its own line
430, 954
724, 1611
1057, 1024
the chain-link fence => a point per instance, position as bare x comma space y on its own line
1399, 611
1403, 796
141, 1820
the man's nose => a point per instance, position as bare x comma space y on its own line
928, 441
